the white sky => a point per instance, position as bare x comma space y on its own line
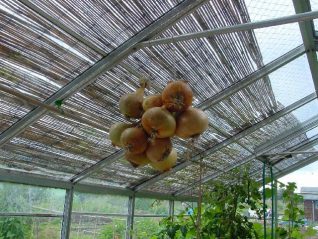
293, 81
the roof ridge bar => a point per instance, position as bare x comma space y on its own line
308, 36
281, 139
300, 164
300, 17
228, 141
267, 69
103, 65
301, 146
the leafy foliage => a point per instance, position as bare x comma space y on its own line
224, 211
114, 230
293, 214
13, 228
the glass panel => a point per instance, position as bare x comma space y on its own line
312, 132
180, 207
97, 227
274, 41
98, 203
98, 216
304, 177
314, 7
267, 9
307, 111
30, 227
151, 206
25, 198
145, 227
292, 81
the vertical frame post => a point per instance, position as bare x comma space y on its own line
171, 209
275, 212
313, 211
67, 214
264, 199
273, 204
130, 217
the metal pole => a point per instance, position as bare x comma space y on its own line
264, 200
130, 217
171, 208
275, 212
66, 224
273, 198
313, 211
236, 28
307, 33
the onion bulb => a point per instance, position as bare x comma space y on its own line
115, 132
130, 104
152, 101
137, 159
166, 164
159, 149
177, 96
134, 140
191, 123
158, 122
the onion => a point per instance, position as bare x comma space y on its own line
137, 159
177, 96
166, 164
159, 149
115, 132
130, 104
191, 123
152, 101
134, 140
158, 123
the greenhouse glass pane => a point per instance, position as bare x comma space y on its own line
146, 227
99, 203
98, 216
292, 81
31, 227
314, 7
312, 132
30, 199
307, 111
151, 206
95, 227
274, 41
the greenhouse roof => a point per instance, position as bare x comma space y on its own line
251, 64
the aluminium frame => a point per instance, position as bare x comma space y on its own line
78, 83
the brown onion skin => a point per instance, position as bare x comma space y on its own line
115, 132
159, 149
177, 96
159, 122
152, 101
130, 105
137, 159
191, 123
166, 164
135, 140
